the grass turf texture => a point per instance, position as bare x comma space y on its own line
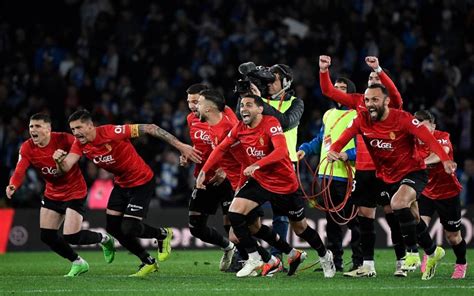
197, 273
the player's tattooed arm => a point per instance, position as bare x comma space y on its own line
186, 150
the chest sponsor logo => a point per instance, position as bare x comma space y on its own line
376, 143
49, 171
254, 152
107, 159
443, 141
276, 130
203, 136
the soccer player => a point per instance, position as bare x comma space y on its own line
271, 177
390, 138
335, 121
208, 124
365, 195
440, 195
109, 147
64, 198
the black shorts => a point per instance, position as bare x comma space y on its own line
207, 201
132, 201
416, 180
369, 190
449, 211
291, 205
78, 205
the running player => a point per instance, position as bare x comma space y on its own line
109, 147
64, 198
440, 195
390, 138
208, 126
364, 194
271, 177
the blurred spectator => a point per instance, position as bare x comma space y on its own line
126, 61
467, 181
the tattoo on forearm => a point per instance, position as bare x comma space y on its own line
158, 132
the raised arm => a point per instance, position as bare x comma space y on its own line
186, 150
395, 97
349, 100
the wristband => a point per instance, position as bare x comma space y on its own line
378, 69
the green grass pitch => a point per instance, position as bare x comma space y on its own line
196, 273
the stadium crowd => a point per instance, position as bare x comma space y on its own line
132, 61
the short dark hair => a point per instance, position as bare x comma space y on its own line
258, 100
82, 115
41, 116
423, 115
215, 97
351, 88
380, 86
196, 88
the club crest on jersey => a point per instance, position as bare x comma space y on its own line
261, 141
392, 136
108, 147
107, 159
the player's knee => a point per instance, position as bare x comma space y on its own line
366, 225
196, 224
453, 238
73, 239
239, 223
114, 225
299, 226
49, 236
131, 227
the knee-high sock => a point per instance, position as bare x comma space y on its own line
57, 243
367, 234
408, 228
396, 234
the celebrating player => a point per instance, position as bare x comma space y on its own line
271, 177
365, 195
440, 195
64, 198
109, 147
390, 138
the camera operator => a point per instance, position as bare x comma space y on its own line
274, 86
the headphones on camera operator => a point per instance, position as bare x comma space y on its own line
286, 76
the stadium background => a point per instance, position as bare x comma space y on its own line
131, 61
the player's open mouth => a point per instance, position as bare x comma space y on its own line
34, 136
245, 115
373, 111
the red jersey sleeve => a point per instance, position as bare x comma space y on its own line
220, 150
349, 100
120, 132
351, 131
76, 148
280, 149
21, 167
395, 97
414, 127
